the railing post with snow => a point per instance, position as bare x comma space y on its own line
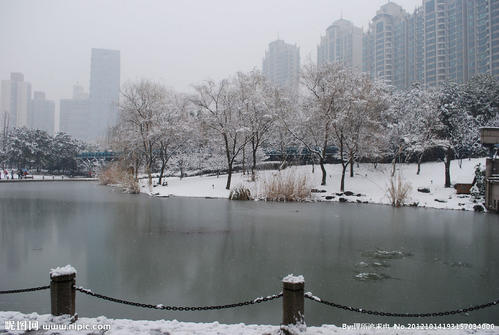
62, 293
293, 301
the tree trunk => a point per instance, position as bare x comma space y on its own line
160, 179
323, 169
136, 168
351, 167
229, 176
253, 167
244, 160
420, 159
448, 157
149, 176
343, 173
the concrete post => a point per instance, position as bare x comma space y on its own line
62, 293
293, 302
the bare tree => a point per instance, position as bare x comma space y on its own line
257, 101
141, 109
221, 113
325, 87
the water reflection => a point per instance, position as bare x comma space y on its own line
202, 252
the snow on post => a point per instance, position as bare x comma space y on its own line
293, 279
293, 302
62, 271
62, 292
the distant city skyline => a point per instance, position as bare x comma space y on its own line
177, 44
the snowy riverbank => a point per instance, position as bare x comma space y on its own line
370, 182
103, 325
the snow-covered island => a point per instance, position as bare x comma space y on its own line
369, 184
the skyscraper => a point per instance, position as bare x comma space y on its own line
15, 100
473, 38
342, 43
104, 90
42, 113
436, 42
281, 64
443, 40
386, 43
74, 116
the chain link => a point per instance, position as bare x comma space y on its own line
179, 308
26, 290
309, 295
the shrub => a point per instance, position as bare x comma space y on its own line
286, 186
114, 175
111, 175
240, 192
398, 191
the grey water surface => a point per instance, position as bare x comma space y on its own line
194, 251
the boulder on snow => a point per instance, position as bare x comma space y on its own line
423, 189
343, 200
339, 194
441, 201
478, 208
348, 193
414, 204
329, 197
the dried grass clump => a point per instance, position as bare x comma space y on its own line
240, 192
111, 175
398, 191
286, 186
115, 175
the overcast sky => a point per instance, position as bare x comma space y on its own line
175, 42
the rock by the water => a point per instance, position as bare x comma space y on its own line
440, 200
329, 197
348, 193
423, 190
478, 208
343, 200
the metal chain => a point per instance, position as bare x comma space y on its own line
179, 308
309, 295
26, 290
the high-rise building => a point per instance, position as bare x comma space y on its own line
387, 47
436, 42
74, 115
281, 64
42, 113
15, 100
88, 116
443, 40
104, 90
341, 44
473, 38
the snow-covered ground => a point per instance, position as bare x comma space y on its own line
372, 183
103, 325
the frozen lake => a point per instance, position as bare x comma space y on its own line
187, 251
